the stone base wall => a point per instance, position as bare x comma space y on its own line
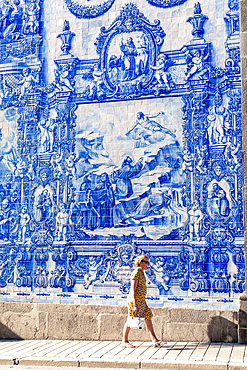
91, 322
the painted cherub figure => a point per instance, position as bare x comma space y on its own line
162, 279
160, 71
23, 225
27, 82
92, 274
96, 85
64, 78
195, 217
62, 220
56, 162
231, 155
203, 156
31, 16
195, 64
187, 164
20, 167
71, 165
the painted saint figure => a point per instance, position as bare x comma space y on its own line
44, 141
129, 54
101, 202
46, 135
44, 206
217, 202
124, 174
84, 208
220, 202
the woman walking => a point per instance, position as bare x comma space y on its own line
137, 305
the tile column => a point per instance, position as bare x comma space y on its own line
242, 327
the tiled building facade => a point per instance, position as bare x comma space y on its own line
121, 135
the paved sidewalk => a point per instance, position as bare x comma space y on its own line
110, 354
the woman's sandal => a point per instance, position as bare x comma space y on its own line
159, 343
128, 345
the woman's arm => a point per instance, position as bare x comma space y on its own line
133, 288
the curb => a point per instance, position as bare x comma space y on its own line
47, 362
8, 361
111, 364
177, 365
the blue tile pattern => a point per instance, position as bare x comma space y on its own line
137, 150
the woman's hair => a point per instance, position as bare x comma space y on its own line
139, 259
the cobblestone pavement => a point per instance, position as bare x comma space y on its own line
110, 354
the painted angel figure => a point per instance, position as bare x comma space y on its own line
20, 167
218, 123
63, 77
32, 163
187, 164
28, 81
96, 271
160, 71
203, 156
195, 63
5, 90
161, 278
71, 165
23, 224
62, 220
56, 162
95, 86
43, 209
231, 155
31, 16
195, 216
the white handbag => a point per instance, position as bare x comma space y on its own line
135, 322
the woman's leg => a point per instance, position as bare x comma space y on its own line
126, 331
125, 340
150, 329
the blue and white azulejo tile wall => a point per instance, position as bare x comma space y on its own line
120, 134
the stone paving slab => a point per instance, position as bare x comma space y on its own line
110, 354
